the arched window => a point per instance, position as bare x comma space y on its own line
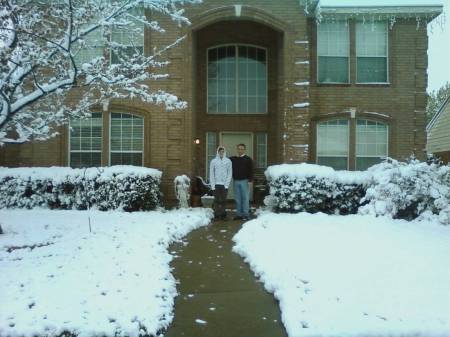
335, 147
237, 80
126, 139
85, 141
333, 143
371, 143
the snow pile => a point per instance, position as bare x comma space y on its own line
352, 276
129, 188
408, 190
114, 281
314, 188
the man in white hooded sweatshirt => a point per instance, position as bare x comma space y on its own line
220, 174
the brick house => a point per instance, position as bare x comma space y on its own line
438, 133
344, 93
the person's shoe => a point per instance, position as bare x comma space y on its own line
237, 217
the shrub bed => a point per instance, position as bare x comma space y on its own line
408, 190
127, 188
401, 190
314, 188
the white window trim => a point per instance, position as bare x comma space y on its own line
237, 45
387, 58
348, 56
110, 138
81, 151
348, 140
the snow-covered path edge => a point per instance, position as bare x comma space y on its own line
114, 281
352, 275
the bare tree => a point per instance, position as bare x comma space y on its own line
48, 49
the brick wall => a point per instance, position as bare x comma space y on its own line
282, 28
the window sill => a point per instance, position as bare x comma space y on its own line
222, 114
333, 84
381, 84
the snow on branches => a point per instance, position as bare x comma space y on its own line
49, 50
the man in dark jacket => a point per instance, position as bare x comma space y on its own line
243, 177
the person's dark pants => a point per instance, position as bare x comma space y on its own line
220, 198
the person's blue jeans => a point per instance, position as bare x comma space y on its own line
241, 197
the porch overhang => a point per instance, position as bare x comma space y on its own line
419, 9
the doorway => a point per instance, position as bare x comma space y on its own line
230, 140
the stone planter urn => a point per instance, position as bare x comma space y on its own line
207, 201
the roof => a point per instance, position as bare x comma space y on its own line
436, 116
401, 8
438, 135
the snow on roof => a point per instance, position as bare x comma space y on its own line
379, 3
398, 8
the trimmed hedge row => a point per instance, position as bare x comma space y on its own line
126, 188
305, 191
401, 190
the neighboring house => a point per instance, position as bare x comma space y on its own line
438, 133
345, 93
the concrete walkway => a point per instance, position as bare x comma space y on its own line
219, 295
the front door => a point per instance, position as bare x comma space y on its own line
230, 140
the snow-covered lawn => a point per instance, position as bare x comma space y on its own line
352, 275
56, 275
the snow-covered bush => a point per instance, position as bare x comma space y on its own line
313, 188
128, 188
408, 190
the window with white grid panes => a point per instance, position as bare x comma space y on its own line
126, 139
93, 47
371, 143
129, 35
261, 150
86, 141
211, 149
333, 45
372, 52
333, 143
237, 80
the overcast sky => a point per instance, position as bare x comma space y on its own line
439, 50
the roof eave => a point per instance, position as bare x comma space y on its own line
429, 12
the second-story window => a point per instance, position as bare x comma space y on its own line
94, 47
237, 80
371, 52
128, 34
333, 52
126, 40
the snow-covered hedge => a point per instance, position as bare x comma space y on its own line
401, 190
408, 190
314, 188
128, 188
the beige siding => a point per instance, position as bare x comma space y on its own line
439, 134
